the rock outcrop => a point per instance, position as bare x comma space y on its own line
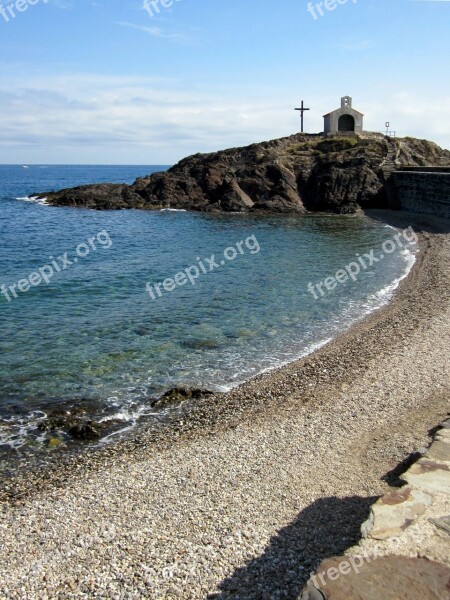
294, 174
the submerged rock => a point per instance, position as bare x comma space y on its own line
201, 344
54, 443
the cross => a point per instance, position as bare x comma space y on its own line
302, 110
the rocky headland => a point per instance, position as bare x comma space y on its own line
294, 174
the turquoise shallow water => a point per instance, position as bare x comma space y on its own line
94, 331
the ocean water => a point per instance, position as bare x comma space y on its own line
99, 329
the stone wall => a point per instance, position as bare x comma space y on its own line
423, 191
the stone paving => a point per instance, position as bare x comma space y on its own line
413, 520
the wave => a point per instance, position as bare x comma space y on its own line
16, 431
130, 418
386, 293
277, 363
35, 199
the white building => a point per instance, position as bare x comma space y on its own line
344, 120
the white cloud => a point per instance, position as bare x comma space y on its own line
62, 4
157, 32
99, 119
355, 46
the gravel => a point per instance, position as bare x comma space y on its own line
243, 494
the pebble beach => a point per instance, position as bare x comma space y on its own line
241, 495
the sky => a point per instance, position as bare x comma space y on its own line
111, 82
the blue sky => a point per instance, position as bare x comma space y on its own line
105, 82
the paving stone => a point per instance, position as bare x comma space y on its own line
444, 435
442, 523
387, 578
429, 475
394, 512
439, 450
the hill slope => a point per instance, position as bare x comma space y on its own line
294, 174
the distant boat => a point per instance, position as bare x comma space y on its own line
25, 167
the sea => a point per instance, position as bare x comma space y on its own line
112, 309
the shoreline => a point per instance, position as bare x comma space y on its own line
258, 397
100, 408
246, 497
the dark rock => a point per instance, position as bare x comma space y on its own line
58, 423
100, 196
77, 421
293, 174
85, 431
387, 578
76, 427
178, 395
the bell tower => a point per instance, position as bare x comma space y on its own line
346, 102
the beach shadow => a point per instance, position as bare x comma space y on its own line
402, 219
393, 477
325, 528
